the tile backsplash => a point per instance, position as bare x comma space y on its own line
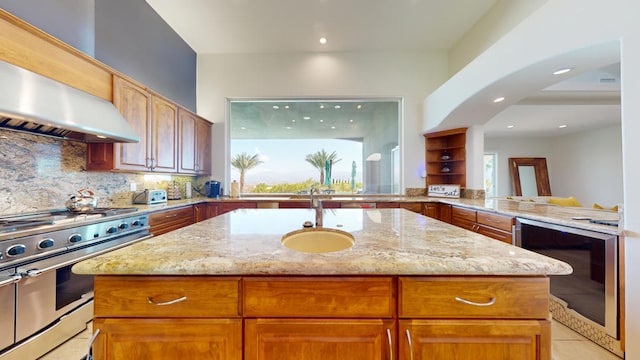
38, 173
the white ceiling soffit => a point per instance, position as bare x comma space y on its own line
284, 26
533, 85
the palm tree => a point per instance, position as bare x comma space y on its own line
319, 158
243, 162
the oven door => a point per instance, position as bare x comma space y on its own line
49, 289
8, 279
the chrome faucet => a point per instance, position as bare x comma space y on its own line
316, 203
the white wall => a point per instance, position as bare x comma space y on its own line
411, 76
502, 17
586, 165
508, 148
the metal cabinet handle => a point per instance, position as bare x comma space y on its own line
464, 301
170, 302
390, 344
170, 216
89, 355
410, 343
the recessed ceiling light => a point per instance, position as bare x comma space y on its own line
286, 107
321, 120
276, 107
562, 126
293, 120
333, 127
562, 71
307, 118
321, 106
499, 99
288, 128
350, 120
337, 107
359, 107
323, 40
243, 128
510, 126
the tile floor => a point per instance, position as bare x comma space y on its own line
566, 345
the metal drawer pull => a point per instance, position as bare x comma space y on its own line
390, 344
464, 301
410, 344
174, 301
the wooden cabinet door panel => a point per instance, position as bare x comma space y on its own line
291, 339
497, 234
326, 296
444, 213
462, 213
187, 153
134, 103
203, 147
165, 135
139, 296
449, 297
170, 339
464, 223
497, 221
474, 339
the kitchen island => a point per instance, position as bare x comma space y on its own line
410, 285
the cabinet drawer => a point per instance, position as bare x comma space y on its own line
464, 223
462, 213
497, 234
171, 216
443, 297
494, 220
156, 296
330, 297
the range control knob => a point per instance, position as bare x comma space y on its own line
136, 223
45, 243
123, 226
15, 250
75, 238
112, 230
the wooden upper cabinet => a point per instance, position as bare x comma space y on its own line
203, 147
154, 120
164, 132
195, 144
134, 103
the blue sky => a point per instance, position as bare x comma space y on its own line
283, 159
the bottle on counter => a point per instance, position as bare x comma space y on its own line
235, 189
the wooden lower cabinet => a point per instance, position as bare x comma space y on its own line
322, 317
493, 225
170, 339
474, 339
319, 339
172, 219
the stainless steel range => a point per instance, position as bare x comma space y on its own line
42, 303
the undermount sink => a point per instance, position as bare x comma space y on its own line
318, 240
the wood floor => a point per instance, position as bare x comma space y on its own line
567, 345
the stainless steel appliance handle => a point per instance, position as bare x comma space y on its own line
410, 343
76, 256
390, 344
468, 302
11, 280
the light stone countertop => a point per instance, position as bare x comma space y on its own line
387, 242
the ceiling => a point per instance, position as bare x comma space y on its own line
584, 101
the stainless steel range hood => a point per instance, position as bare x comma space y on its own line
35, 104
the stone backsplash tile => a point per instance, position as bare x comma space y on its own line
40, 173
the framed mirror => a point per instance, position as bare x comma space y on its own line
529, 177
